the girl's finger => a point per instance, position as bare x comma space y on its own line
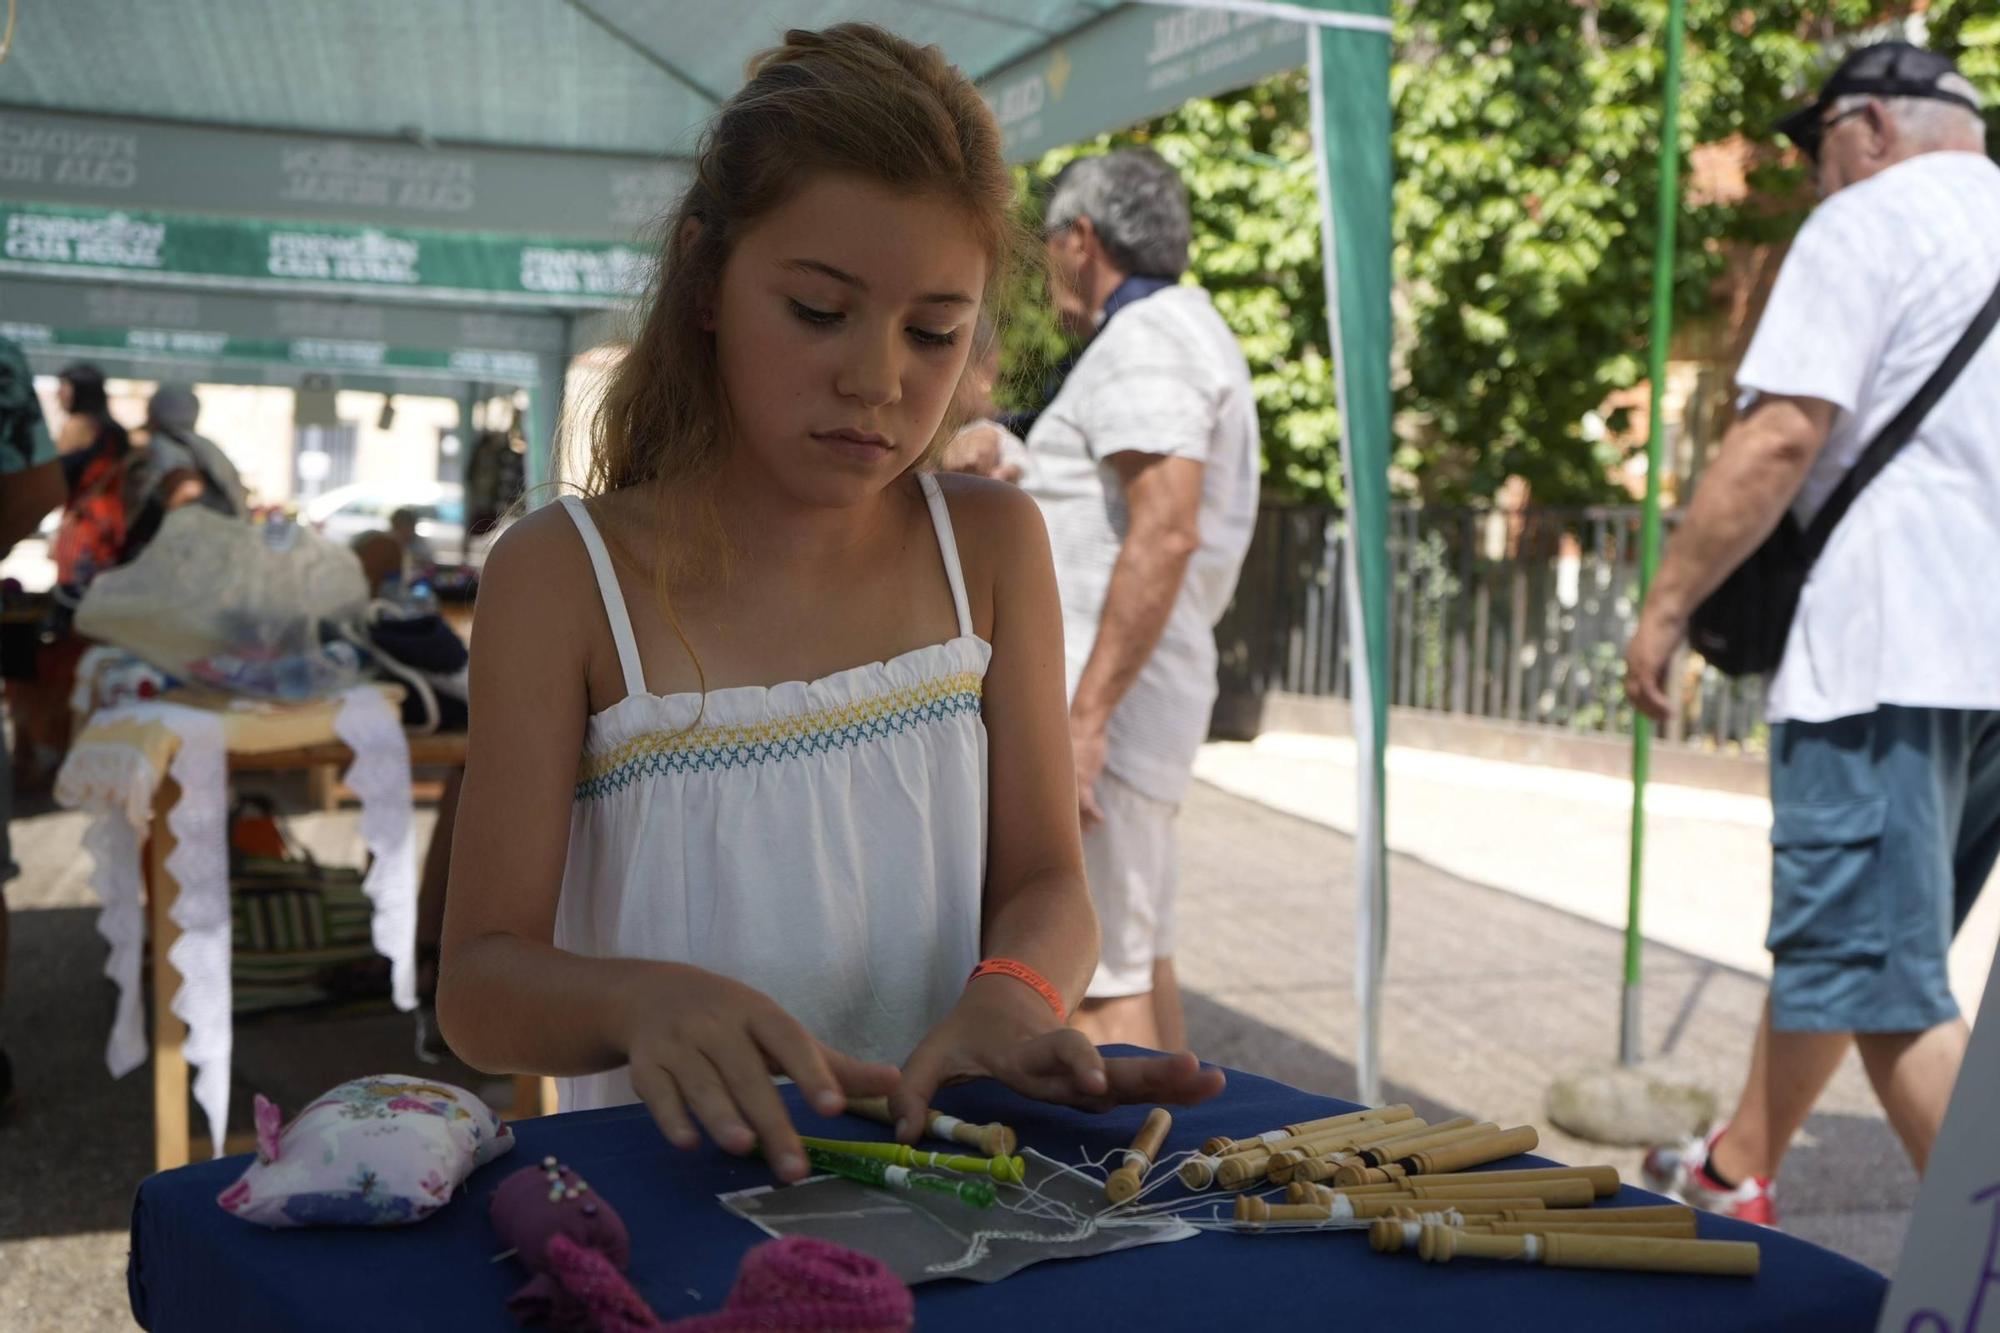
656, 1089
789, 1049
1176, 1079
741, 1065
707, 1095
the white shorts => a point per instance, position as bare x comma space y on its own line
1130, 862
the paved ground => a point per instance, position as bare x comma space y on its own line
1491, 993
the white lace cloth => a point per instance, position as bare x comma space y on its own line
116, 782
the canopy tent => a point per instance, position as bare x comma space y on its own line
411, 192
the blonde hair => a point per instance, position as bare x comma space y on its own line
853, 99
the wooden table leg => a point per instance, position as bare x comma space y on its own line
170, 1067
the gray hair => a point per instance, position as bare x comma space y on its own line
1137, 204
1931, 123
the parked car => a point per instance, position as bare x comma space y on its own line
346, 512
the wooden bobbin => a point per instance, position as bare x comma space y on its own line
1451, 1131
1552, 1193
993, 1140
1462, 1153
1603, 1180
1338, 1138
1582, 1222
1386, 1205
1663, 1212
1125, 1181
1649, 1254
1241, 1170
1250, 1208
1322, 1154
1300, 1191
1354, 1171
1198, 1172
1222, 1144
1387, 1235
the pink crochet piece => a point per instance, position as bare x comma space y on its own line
588, 1279
802, 1285
575, 1247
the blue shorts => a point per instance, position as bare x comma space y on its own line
1884, 827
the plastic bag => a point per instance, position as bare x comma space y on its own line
236, 606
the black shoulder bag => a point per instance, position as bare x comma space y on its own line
1742, 628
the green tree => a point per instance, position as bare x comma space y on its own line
1526, 149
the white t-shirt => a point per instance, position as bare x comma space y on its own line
1903, 606
1164, 376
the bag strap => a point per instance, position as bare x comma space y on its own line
1901, 428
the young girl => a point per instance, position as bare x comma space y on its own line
816, 692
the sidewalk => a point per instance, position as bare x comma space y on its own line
1563, 839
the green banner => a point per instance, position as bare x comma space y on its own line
48, 240
330, 354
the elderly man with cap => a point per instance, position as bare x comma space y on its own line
1145, 467
1885, 704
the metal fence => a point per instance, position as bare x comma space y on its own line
1511, 615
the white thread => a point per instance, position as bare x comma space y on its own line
1271, 1136
897, 1176
945, 1124
1531, 1249
1135, 1158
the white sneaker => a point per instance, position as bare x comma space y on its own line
1680, 1171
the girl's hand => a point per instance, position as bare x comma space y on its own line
1015, 1039
703, 1049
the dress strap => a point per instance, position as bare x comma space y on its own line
614, 600
948, 545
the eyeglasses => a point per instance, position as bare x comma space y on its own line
1825, 126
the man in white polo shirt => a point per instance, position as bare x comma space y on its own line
1145, 466
1885, 709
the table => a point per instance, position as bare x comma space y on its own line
129, 766
194, 1267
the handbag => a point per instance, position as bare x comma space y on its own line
1742, 627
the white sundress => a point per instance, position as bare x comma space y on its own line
823, 841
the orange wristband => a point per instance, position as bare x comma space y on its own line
1008, 967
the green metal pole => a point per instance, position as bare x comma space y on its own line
1649, 545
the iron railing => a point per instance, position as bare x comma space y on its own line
1514, 615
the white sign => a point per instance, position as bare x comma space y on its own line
114, 240
367, 257
1949, 1277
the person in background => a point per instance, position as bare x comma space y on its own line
31, 485
95, 452
1885, 709
183, 466
419, 560
1145, 467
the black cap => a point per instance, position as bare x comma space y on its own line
1886, 69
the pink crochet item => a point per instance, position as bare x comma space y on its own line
801, 1285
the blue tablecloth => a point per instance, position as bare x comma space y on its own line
194, 1267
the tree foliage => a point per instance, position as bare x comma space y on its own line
1526, 141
